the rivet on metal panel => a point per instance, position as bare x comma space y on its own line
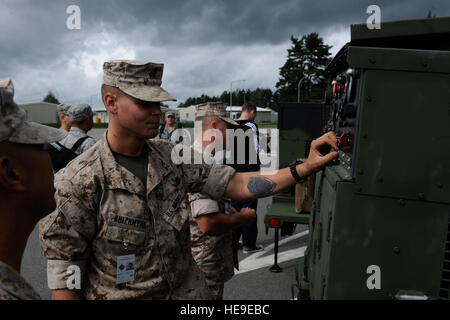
402, 202
365, 136
421, 196
396, 250
369, 99
372, 60
424, 64
360, 172
439, 185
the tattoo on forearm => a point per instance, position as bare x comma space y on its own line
260, 186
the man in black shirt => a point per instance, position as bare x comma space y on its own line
250, 163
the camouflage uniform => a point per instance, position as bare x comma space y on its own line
74, 135
213, 254
104, 212
13, 286
77, 113
166, 132
62, 109
15, 129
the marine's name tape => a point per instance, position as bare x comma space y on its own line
132, 223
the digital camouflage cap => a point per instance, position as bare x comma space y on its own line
141, 80
80, 112
13, 125
62, 109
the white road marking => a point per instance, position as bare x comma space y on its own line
255, 261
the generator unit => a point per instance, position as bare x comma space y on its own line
380, 223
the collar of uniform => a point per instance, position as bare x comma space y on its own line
77, 130
159, 165
117, 177
13, 283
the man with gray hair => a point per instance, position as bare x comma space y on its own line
26, 189
81, 116
62, 111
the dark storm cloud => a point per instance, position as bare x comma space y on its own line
244, 22
239, 22
205, 44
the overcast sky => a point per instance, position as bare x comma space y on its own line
204, 44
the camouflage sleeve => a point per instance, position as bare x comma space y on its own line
211, 180
66, 233
201, 205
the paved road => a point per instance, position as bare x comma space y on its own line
253, 281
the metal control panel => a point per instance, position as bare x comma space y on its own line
385, 205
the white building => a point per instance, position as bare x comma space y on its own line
102, 115
41, 112
187, 114
263, 115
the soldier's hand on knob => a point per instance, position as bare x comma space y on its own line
318, 154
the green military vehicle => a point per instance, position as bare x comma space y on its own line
298, 124
379, 227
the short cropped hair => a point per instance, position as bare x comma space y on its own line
111, 89
248, 107
201, 123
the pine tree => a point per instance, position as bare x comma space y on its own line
430, 15
50, 98
307, 59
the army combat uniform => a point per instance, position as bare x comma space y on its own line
74, 135
166, 133
62, 108
78, 112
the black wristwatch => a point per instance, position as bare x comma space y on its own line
293, 167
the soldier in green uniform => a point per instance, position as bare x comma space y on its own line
26, 194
